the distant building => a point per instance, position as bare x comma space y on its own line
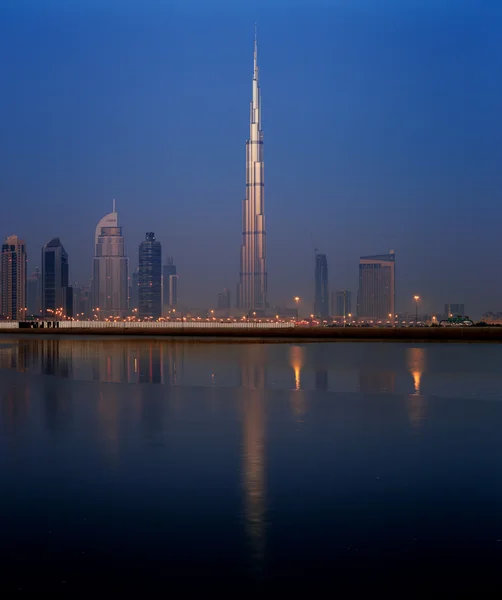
13, 279
170, 284
150, 277
224, 300
454, 310
110, 273
34, 293
134, 291
82, 308
57, 298
341, 303
376, 294
321, 301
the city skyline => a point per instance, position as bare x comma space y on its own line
405, 177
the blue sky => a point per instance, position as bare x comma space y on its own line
381, 120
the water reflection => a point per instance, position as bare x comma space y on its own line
297, 361
253, 451
416, 403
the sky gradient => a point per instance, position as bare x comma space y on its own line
381, 121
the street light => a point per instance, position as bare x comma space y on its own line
416, 298
297, 300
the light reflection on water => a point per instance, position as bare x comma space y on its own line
217, 454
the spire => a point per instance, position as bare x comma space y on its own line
255, 72
113, 206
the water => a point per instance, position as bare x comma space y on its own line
139, 465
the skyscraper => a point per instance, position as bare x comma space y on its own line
252, 288
170, 284
321, 300
56, 292
342, 303
34, 293
377, 291
150, 277
110, 282
13, 278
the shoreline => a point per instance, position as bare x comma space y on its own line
298, 334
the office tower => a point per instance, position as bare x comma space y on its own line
170, 284
321, 301
57, 299
34, 294
150, 277
134, 291
376, 294
454, 310
224, 300
252, 289
341, 303
110, 283
13, 278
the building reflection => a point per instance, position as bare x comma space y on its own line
108, 410
253, 447
138, 361
416, 403
321, 371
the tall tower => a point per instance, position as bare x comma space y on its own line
252, 289
321, 302
150, 277
13, 288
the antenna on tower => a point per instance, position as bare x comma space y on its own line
113, 205
316, 250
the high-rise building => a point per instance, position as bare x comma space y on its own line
34, 294
150, 277
57, 298
377, 290
454, 310
170, 284
341, 304
321, 300
110, 276
224, 300
252, 288
13, 278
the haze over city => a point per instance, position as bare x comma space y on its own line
381, 128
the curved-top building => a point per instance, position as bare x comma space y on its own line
110, 272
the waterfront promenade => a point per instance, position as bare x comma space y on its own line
266, 332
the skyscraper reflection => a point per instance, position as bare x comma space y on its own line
416, 403
253, 448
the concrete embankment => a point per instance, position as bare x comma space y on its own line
297, 334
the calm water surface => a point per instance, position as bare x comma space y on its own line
139, 465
